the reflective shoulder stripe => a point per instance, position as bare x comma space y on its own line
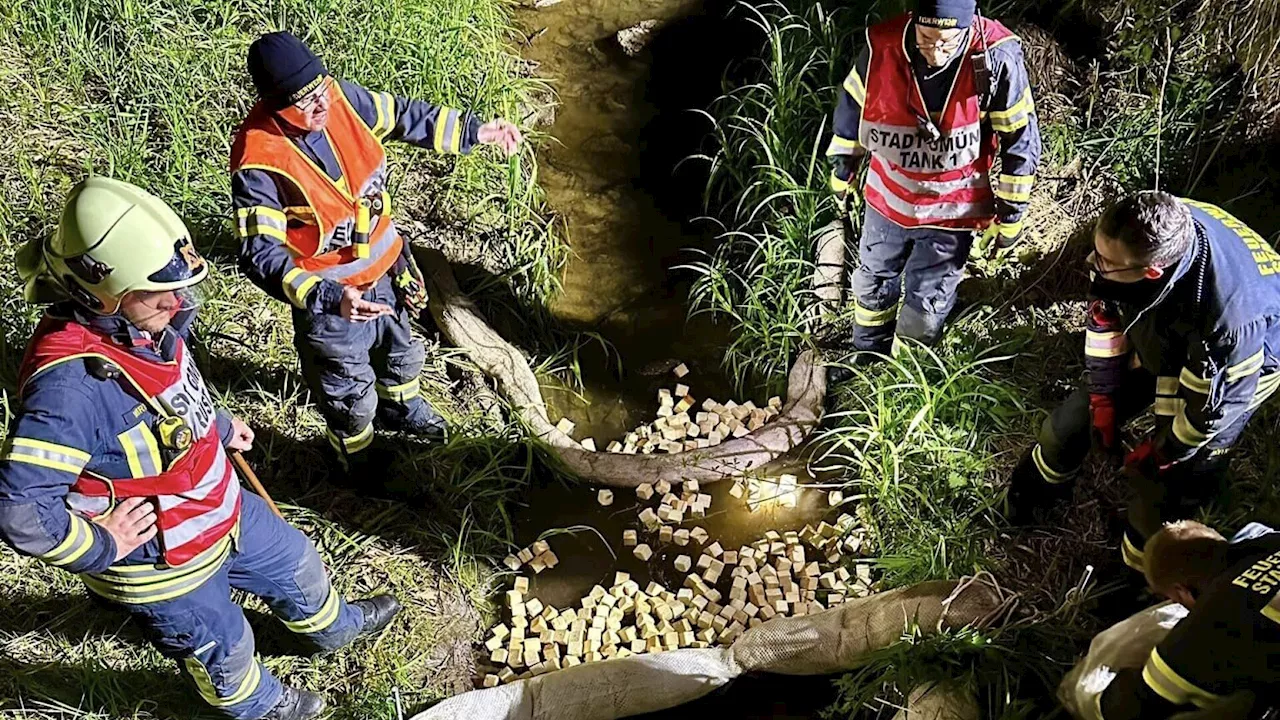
1272, 610
386, 113
261, 220
1171, 686
400, 393
1193, 382
204, 683
1015, 118
73, 547
321, 620
448, 135
1166, 385
45, 454
1246, 367
1023, 105
380, 114
297, 284
842, 146
141, 451
1188, 434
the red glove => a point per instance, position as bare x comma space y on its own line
1102, 413
1144, 458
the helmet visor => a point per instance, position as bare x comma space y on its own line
186, 267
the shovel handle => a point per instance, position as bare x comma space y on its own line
243, 466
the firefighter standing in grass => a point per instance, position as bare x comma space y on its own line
1224, 657
116, 465
1186, 316
934, 98
312, 209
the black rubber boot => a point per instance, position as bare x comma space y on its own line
296, 704
378, 613
416, 417
1030, 494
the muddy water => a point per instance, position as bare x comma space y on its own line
609, 175
621, 127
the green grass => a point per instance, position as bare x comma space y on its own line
767, 188
924, 435
150, 91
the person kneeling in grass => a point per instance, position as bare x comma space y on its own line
1227, 648
310, 192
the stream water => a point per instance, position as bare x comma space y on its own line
610, 175
621, 127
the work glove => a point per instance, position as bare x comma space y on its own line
409, 286
1001, 235
844, 170
1102, 414
1146, 460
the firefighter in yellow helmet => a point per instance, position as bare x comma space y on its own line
116, 465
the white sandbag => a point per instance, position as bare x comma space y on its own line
827, 642
600, 691
939, 701
1122, 646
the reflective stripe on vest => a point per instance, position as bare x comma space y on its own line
913, 179
321, 233
198, 495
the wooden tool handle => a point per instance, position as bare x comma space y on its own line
254, 482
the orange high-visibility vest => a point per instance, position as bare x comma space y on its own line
912, 179
320, 234
197, 497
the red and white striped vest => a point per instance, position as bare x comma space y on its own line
914, 180
197, 497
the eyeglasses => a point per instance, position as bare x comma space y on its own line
313, 97
1091, 264
943, 45
950, 43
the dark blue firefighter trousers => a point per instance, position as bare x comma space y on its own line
929, 262
351, 367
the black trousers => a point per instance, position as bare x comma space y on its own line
1176, 493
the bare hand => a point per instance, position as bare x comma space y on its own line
132, 524
502, 133
356, 309
241, 436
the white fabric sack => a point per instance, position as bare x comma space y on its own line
828, 642
1122, 646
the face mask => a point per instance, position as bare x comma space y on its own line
1138, 294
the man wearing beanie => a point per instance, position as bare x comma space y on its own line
310, 191
931, 101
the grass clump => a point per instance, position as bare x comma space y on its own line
767, 187
923, 437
